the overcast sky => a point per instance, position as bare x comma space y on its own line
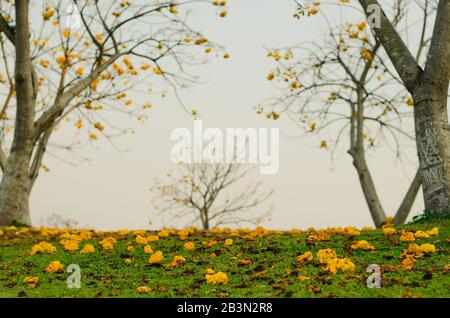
112, 191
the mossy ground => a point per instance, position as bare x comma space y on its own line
273, 271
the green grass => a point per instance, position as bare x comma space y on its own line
273, 271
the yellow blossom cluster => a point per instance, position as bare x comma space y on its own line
42, 247
362, 245
332, 263
54, 267
213, 278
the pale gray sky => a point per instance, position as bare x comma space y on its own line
112, 191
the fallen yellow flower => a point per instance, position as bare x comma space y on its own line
306, 257
42, 247
219, 278
362, 245
407, 236
189, 246
144, 289
148, 249
31, 280
156, 257
54, 267
88, 248
388, 231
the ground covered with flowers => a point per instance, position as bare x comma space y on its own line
413, 260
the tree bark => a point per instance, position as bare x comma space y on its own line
429, 88
433, 147
369, 190
408, 200
15, 189
15, 186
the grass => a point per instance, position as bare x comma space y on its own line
271, 272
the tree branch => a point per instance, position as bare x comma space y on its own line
402, 59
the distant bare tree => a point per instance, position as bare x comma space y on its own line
205, 192
343, 86
55, 220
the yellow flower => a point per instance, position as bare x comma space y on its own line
88, 248
127, 261
421, 234
362, 245
141, 240
407, 236
210, 271
156, 257
173, 9
148, 249
144, 289
107, 246
152, 238
427, 248
388, 231
433, 232
351, 231
31, 280
71, 246
408, 262
343, 264
303, 278
228, 242
42, 247
306, 257
54, 267
325, 255
179, 259
48, 13
219, 278
189, 246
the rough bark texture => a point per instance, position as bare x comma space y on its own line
429, 89
15, 189
15, 186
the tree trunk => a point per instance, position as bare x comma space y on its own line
433, 146
408, 200
369, 191
15, 188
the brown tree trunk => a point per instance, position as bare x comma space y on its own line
15, 188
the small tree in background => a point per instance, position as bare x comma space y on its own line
211, 194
